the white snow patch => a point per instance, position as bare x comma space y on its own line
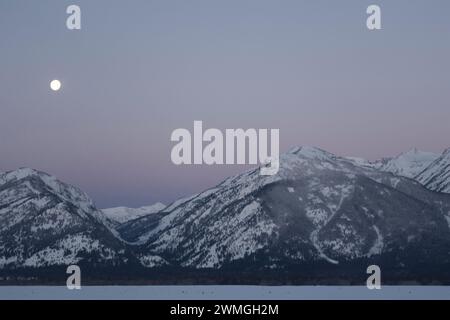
378, 244
124, 214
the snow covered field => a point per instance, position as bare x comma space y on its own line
226, 293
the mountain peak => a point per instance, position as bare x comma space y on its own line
58, 223
23, 174
37, 182
20, 173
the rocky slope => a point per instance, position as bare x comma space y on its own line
437, 175
44, 222
408, 164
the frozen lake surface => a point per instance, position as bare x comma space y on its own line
224, 293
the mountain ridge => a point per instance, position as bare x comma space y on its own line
437, 175
170, 234
320, 212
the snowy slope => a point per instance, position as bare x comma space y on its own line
437, 175
46, 222
362, 162
318, 208
408, 164
124, 214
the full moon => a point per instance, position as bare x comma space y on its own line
55, 85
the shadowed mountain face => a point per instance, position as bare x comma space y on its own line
322, 217
318, 208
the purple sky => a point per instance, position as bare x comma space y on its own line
140, 69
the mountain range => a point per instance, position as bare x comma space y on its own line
322, 219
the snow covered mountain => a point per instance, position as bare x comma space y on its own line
321, 217
408, 164
124, 214
319, 209
430, 169
437, 175
44, 222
